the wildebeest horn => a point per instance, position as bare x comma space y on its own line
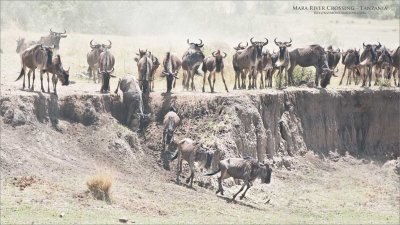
290, 41
364, 44
275, 41
188, 41
65, 31
224, 55
110, 71
240, 45
265, 43
213, 54
379, 44
51, 31
91, 45
109, 46
201, 42
251, 41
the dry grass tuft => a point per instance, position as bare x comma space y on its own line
99, 186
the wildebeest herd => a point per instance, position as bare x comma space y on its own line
248, 61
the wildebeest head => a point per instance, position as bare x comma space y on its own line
203, 155
195, 45
105, 47
258, 46
282, 47
20, 44
240, 47
369, 54
265, 173
65, 77
218, 59
56, 37
385, 59
170, 78
106, 74
96, 46
326, 75
141, 53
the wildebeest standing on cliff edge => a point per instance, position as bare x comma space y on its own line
35, 57
313, 55
247, 169
172, 64
106, 67
368, 59
396, 64
145, 68
214, 64
283, 60
351, 62
191, 61
93, 58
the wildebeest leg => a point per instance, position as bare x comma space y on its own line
280, 77
209, 81
191, 165
192, 73
244, 193
33, 79
369, 75
317, 74
184, 77
243, 77
54, 80
163, 140
344, 71
378, 74
250, 76
223, 80
236, 79
48, 83
349, 73
394, 76
214, 81
287, 81
204, 80
179, 167
41, 80
29, 79
241, 189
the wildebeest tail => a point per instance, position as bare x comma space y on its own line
213, 173
21, 73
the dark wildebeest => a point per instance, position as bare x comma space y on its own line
247, 169
267, 66
248, 59
191, 61
313, 55
106, 67
368, 59
58, 72
155, 62
351, 61
145, 66
93, 60
242, 73
22, 45
132, 101
213, 65
384, 65
53, 39
191, 152
283, 61
333, 57
171, 122
35, 57
172, 64
396, 65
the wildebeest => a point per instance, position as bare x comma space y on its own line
384, 65
191, 61
53, 39
171, 64
171, 122
213, 65
106, 67
145, 66
154, 68
247, 59
241, 74
247, 169
312, 55
396, 65
283, 61
267, 66
351, 61
34, 57
368, 59
132, 101
191, 152
93, 60
333, 57
22, 45
58, 73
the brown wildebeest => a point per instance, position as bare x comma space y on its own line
145, 66
34, 57
384, 65
53, 39
172, 64
58, 72
22, 45
396, 65
154, 68
106, 67
283, 61
247, 169
93, 60
171, 122
368, 59
191, 61
351, 61
267, 65
333, 57
312, 55
132, 102
239, 74
213, 65
248, 59
191, 152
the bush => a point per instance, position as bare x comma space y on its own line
99, 186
